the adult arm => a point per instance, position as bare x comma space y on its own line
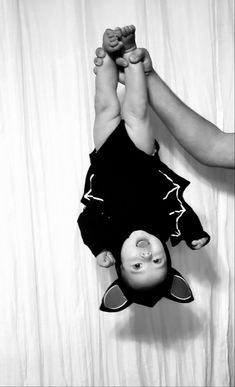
201, 138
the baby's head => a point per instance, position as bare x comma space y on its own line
145, 275
144, 261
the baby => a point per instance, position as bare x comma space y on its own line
133, 202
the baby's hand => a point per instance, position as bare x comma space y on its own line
105, 259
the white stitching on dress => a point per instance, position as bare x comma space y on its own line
88, 195
181, 212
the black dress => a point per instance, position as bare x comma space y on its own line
126, 190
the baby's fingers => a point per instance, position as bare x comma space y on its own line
110, 257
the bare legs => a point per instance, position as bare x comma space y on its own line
121, 41
136, 108
107, 106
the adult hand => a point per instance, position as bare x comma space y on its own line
98, 61
138, 55
105, 259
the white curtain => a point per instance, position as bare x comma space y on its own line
51, 330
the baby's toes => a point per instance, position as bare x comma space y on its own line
118, 32
116, 46
130, 29
125, 31
108, 32
113, 42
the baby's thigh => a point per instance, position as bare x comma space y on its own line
141, 133
103, 127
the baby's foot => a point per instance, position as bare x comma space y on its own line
197, 244
112, 40
128, 38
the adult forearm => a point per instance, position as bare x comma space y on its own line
199, 137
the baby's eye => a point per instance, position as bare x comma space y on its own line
137, 266
157, 260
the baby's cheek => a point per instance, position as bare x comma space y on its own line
127, 254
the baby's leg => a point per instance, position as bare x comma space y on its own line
107, 106
135, 106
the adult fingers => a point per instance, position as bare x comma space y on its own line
100, 53
121, 62
138, 55
141, 54
98, 61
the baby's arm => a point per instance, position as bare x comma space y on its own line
94, 231
92, 227
191, 228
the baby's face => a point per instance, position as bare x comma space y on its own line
144, 260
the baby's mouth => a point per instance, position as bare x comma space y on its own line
142, 243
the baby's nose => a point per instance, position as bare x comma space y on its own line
146, 253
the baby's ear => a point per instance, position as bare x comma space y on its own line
179, 290
114, 300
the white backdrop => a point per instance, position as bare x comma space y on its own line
51, 330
